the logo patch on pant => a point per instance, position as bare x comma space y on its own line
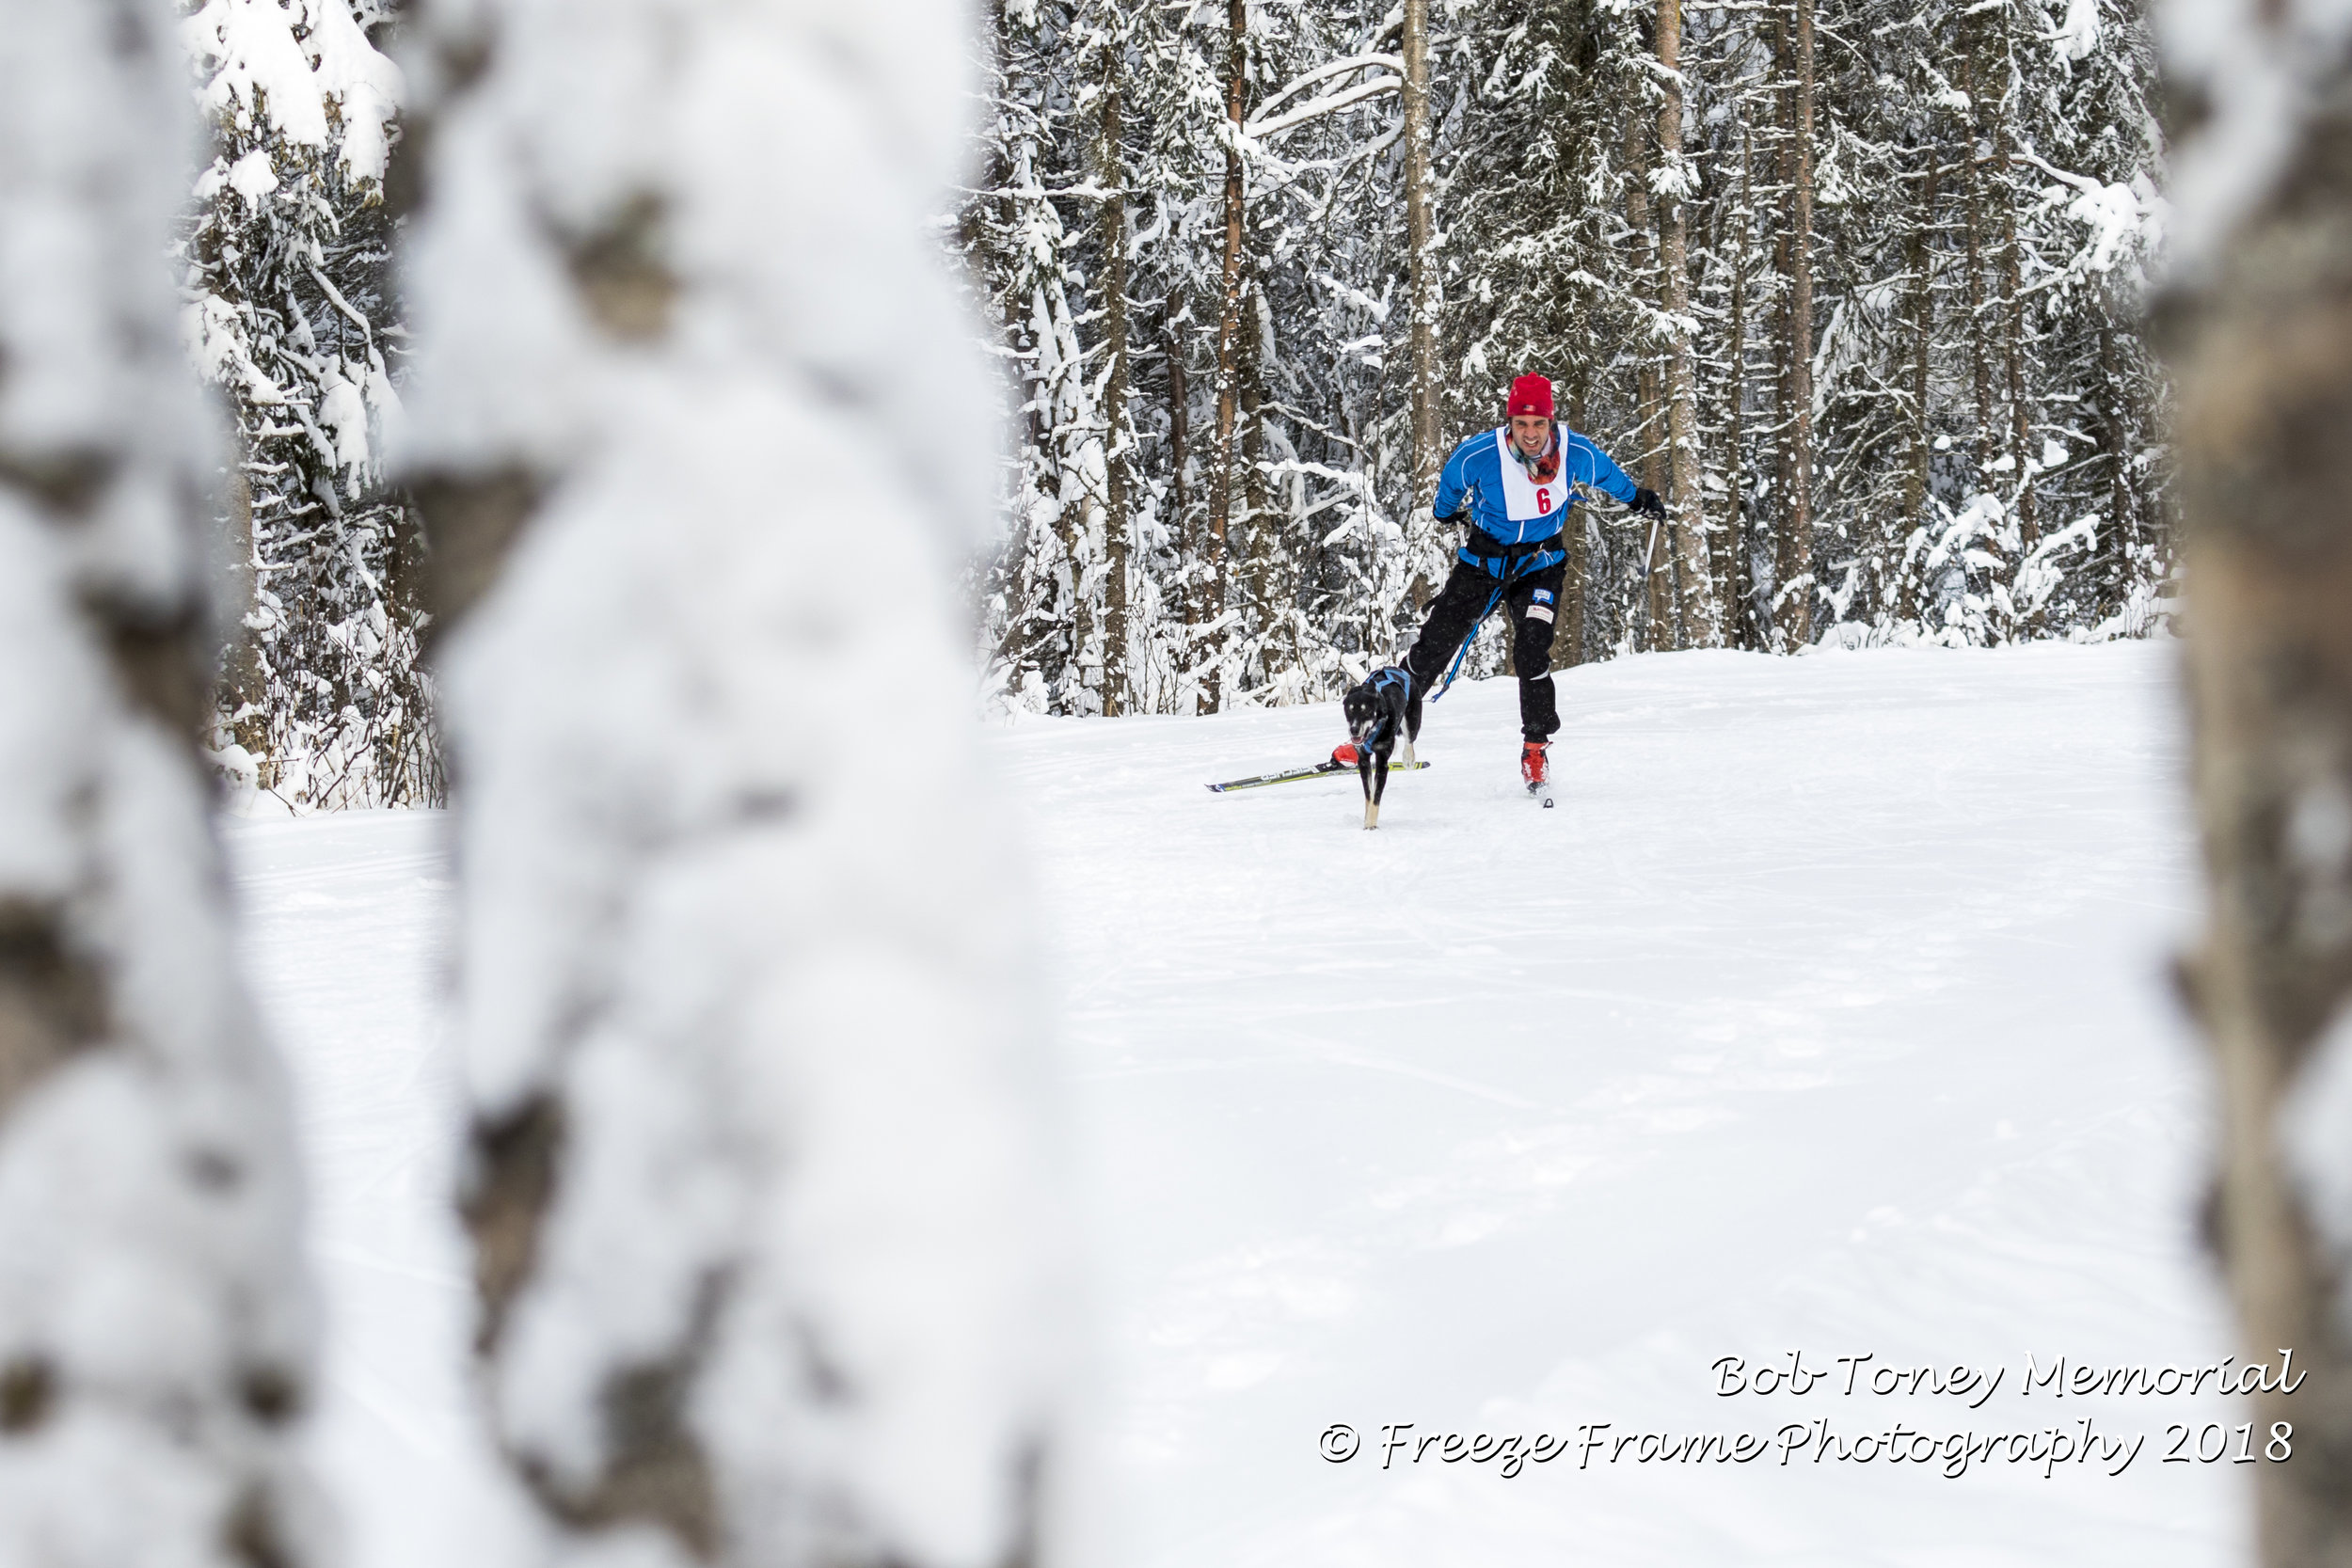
1543, 596
1539, 613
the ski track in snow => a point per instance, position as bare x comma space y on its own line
1823, 1013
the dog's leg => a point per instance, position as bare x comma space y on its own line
1376, 784
1366, 770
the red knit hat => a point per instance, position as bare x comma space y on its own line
1530, 394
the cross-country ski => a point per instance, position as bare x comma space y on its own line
1323, 769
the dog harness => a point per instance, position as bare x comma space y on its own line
1381, 683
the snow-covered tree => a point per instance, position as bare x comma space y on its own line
155, 1331
757, 1185
291, 313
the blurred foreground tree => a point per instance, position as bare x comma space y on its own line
756, 1187
155, 1335
2260, 333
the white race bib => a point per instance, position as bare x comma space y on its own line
1523, 500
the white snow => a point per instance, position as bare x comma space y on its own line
155, 1331
1823, 1015
2078, 35
328, 88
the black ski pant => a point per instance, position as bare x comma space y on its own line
1455, 615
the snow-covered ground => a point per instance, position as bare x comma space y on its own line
1823, 1015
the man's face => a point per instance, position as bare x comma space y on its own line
1531, 434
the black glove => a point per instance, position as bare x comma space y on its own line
1647, 503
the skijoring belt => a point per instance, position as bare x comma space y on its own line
1509, 563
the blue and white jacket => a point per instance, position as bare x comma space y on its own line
1509, 508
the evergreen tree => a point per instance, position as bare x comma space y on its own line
291, 313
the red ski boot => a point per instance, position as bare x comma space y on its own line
1533, 768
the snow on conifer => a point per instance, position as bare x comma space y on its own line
291, 313
155, 1330
755, 1181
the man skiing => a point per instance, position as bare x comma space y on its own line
1518, 484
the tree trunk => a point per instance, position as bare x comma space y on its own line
1979, 361
1420, 235
2263, 360
156, 1335
1263, 542
1228, 337
696, 980
1117, 522
1739, 571
2123, 534
1796, 541
1569, 649
1657, 552
1775, 519
1080, 499
1916, 479
1179, 453
1700, 626
245, 691
2013, 335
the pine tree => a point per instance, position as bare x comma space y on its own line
291, 313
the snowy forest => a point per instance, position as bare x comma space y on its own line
1855, 285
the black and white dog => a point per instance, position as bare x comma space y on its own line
1380, 709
